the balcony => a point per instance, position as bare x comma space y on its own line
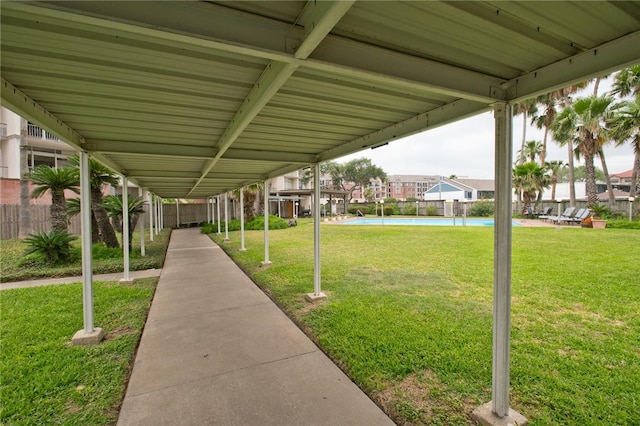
3, 130
36, 132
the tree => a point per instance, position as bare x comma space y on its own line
99, 176
532, 149
625, 127
525, 107
529, 179
548, 103
47, 178
353, 175
584, 123
113, 207
627, 82
554, 167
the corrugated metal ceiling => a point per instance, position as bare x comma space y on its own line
191, 99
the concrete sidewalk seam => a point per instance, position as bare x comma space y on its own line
225, 373
235, 308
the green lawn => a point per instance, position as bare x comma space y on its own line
47, 381
410, 309
16, 268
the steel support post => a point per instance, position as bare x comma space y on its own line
502, 260
218, 207
226, 216
266, 260
85, 220
125, 227
141, 194
150, 207
242, 247
316, 230
177, 213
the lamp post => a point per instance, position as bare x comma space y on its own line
631, 199
559, 209
382, 208
417, 207
297, 208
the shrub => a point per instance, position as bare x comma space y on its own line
257, 223
209, 228
54, 246
623, 224
482, 209
432, 211
409, 210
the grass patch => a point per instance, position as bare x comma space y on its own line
409, 316
47, 381
17, 267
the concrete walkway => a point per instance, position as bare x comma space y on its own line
216, 351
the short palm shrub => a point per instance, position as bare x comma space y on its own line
53, 246
409, 210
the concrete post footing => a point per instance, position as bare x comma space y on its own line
126, 280
312, 297
87, 339
226, 240
484, 415
267, 263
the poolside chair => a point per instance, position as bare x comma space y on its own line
579, 217
568, 213
546, 214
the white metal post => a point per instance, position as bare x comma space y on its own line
85, 220
316, 230
218, 209
502, 261
226, 216
242, 247
125, 227
157, 207
266, 260
177, 213
161, 209
141, 194
149, 203
208, 209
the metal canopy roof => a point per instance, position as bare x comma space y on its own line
190, 99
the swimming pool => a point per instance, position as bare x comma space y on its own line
446, 221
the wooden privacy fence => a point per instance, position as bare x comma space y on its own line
40, 220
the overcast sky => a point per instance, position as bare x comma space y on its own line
466, 149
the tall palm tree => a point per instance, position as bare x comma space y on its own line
532, 149
627, 82
99, 176
625, 127
47, 178
584, 123
543, 120
113, 207
529, 179
526, 108
554, 167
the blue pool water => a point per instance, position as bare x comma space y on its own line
448, 221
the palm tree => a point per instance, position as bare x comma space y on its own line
554, 167
529, 179
47, 178
627, 82
531, 150
544, 120
584, 123
113, 207
625, 127
525, 107
99, 176
73, 209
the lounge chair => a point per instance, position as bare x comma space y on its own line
567, 214
579, 217
546, 214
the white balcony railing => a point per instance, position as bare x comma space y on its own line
34, 131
